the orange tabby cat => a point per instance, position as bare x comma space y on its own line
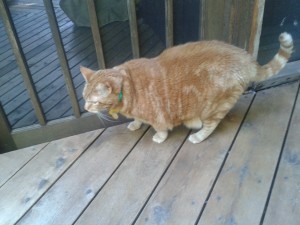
194, 84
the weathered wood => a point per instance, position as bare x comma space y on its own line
22, 21
256, 27
14, 87
52, 96
284, 205
52, 74
96, 33
39, 174
31, 46
91, 171
12, 162
169, 23
212, 20
6, 141
243, 185
168, 183
133, 29
45, 62
31, 32
115, 54
232, 21
62, 57
21, 60
125, 193
55, 129
184, 188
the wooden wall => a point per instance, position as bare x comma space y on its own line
234, 21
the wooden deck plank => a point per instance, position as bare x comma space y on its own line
53, 75
47, 166
92, 171
34, 53
29, 38
252, 161
32, 40
46, 61
22, 22
125, 193
284, 205
13, 161
28, 28
183, 190
168, 183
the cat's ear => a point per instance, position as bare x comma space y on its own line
103, 89
86, 73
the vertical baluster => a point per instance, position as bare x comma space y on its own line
169, 23
96, 33
21, 61
62, 56
6, 141
133, 28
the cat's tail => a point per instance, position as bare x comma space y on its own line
279, 60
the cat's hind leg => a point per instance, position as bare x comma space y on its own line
207, 128
134, 125
219, 112
160, 136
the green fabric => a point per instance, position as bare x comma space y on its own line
107, 10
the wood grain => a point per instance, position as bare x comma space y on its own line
243, 185
84, 179
123, 196
230, 21
39, 174
183, 190
13, 161
284, 205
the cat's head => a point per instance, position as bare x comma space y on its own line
102, 89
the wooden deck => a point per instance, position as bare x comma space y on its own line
247, 172
33, 29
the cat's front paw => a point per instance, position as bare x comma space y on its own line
195, 139
134, 125
160, 137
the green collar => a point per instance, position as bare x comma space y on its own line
120, 96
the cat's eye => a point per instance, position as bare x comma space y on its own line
93, 103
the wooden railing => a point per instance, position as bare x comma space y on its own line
237, 22
48, 130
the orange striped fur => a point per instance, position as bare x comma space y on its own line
195, 84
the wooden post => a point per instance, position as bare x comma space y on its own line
21, 60
256, 27
236, 22
6, 141
96, 33
133, 28
169, 23
62, 56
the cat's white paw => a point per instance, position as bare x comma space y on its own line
134, 125
160, 137
195, 139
